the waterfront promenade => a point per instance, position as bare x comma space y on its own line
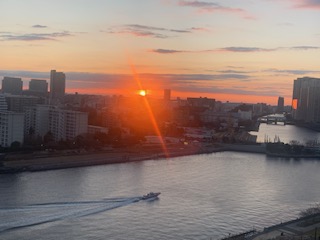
304, 228
39, 161
301, 228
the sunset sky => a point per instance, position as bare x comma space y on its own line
237, 50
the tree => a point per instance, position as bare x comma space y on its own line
114, 134
48, 137
15, 145
310, 211
295, 143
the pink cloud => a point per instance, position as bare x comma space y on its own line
211, 7
309, 4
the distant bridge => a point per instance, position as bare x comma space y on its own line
273, 119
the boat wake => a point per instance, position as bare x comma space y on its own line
18, 217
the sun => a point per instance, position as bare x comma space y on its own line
142, 92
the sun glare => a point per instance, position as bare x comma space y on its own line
142, 93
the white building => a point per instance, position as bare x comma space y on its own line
18, 103
63, 124
3, 103
11, 128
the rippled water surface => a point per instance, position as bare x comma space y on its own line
286, 133
202, 196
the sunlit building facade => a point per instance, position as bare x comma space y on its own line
306, 99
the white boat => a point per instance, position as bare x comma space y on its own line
150, 195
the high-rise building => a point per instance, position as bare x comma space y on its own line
16, 103
280, 107
57, 85
3, 103
167, 95
12, 128
12, 85
37, 85
306, 99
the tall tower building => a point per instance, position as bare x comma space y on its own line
306, 99
167, 95
280, 106
57, 85
12, 85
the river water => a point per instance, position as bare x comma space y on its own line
286, 133
202, 197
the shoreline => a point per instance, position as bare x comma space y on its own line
37, 162
15, 163
31, 162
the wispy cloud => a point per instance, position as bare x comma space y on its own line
34, 36
233, 49
228, 90
199, 77
286, 24
226, 49
98, 77
150, 31
195, 83
214, 7
305, 48
309, 4
292, 71
235, 72
39, 26
246, 49
166, 51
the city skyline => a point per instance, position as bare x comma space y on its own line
243, 51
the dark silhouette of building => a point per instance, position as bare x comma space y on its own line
57, 85
280, 107
201, 102
167, 95
12, 85
37, 85
306, 99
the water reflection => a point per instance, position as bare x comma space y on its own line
286, 133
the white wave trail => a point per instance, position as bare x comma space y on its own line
12, 218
